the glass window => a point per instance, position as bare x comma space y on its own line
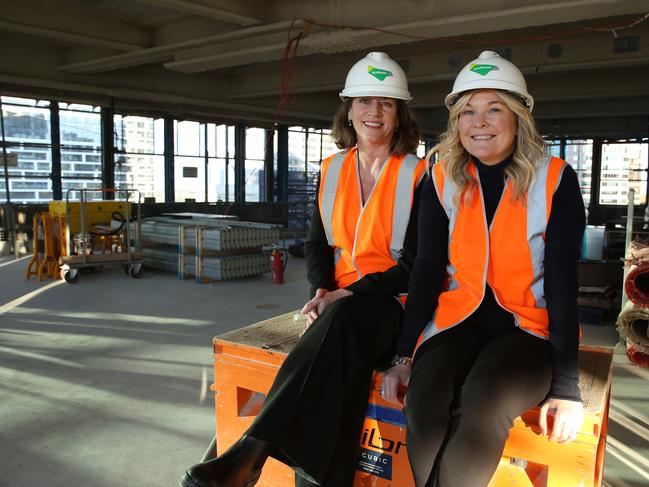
255, 143
254, 180
553, 146
76, 184
144, 172
189, 179
314, 150
421, 149
26, 124
217, 136
139, 155
216, 180
221, 149
329, 147
296, 149
34, 161
189, 138
29, 189
81, 149
306, 149
203, 150
624, 167
80, 129
28, 145
81, 163
29, 102
78, 107
255, 152
579, 154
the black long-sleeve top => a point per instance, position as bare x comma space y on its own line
562, 246
391, 282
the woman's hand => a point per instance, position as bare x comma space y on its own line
323, 298
398, 375
568, 416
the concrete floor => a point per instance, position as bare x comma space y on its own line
106, 383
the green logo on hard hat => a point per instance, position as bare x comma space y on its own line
379, 74
483, 69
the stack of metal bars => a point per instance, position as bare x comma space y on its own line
226, 249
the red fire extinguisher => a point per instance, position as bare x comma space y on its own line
277, 266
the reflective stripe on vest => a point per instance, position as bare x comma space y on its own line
328, 194
375, 254
403, 202
508, 255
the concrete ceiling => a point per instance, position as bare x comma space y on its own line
226, 59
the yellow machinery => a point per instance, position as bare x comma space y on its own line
65, 239
94, 212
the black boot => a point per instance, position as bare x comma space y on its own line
239, 466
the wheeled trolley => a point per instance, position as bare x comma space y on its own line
80, 237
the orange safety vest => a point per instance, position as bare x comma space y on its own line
366, 238
509, 256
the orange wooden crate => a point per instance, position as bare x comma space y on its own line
246, 362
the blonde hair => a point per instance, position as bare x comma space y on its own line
529, 149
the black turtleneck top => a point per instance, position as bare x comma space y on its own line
562, 246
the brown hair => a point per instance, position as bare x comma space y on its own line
404, 140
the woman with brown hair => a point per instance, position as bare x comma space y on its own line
359, 254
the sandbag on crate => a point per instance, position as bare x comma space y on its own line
636, 284
633, 326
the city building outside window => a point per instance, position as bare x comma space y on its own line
307, 147
28, 145
204, 161
220, 168
624, 167
139, 155
189, 161
579, 154
81, 149
254, 165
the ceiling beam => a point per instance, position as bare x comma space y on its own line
430, 62
67, 36
259, 49
226, 11
326, 40
66, 23
166, 53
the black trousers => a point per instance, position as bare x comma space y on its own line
468, 384
314, 412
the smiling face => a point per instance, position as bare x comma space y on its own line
374, 119
487, 127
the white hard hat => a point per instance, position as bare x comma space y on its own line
376, 75
489, 70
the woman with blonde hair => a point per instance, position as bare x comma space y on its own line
490, 328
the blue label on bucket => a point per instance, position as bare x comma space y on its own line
386, 415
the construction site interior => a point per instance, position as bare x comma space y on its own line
159, 164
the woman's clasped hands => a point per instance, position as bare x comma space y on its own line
323, 298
